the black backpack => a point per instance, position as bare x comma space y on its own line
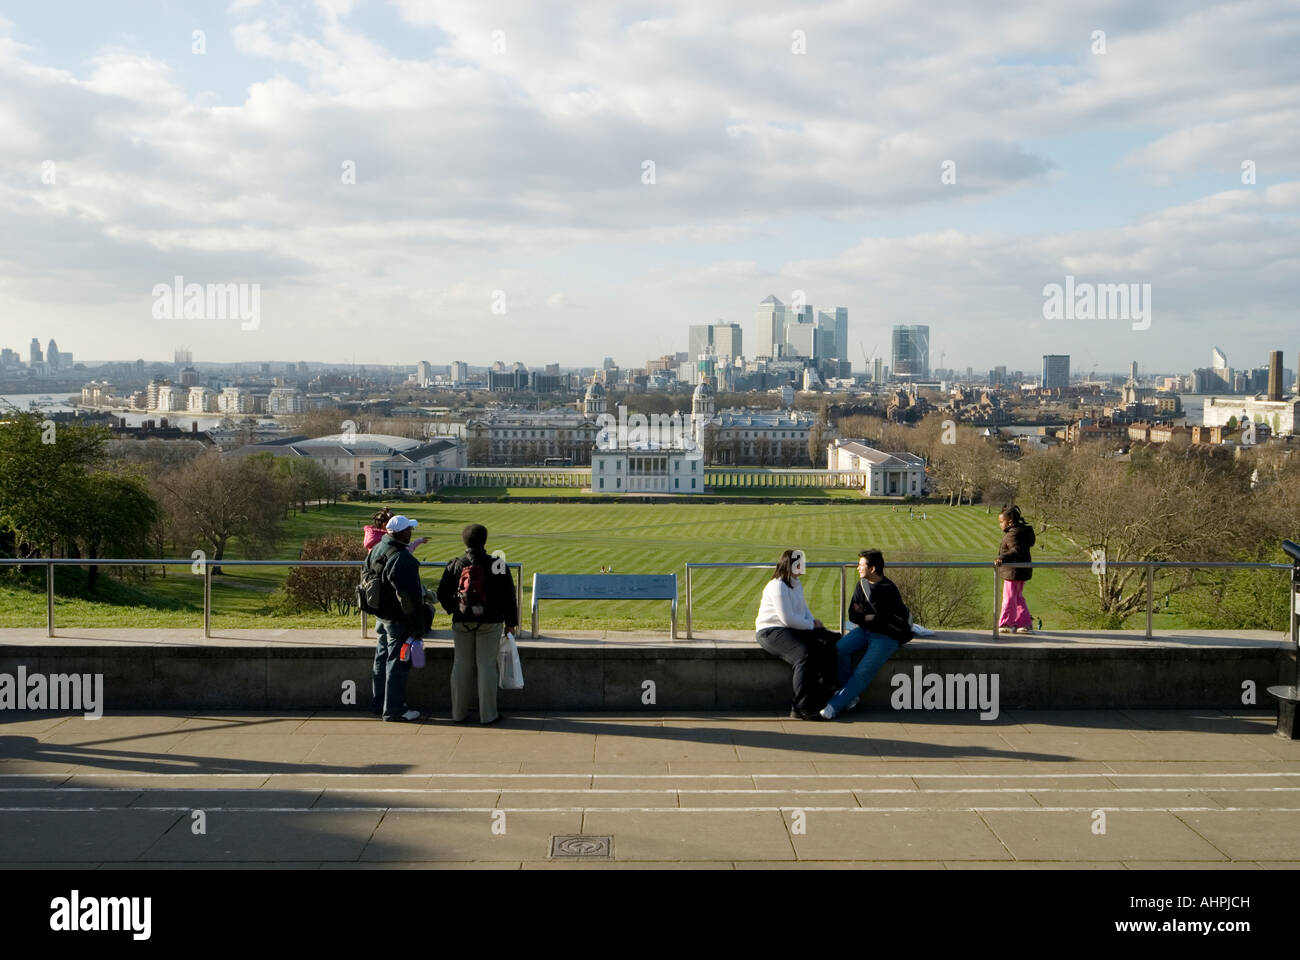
370, 591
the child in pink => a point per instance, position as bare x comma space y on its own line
378, 527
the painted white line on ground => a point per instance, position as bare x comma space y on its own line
670, 790
660, 776
928, 810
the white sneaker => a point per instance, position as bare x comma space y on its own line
407, 717
828, 712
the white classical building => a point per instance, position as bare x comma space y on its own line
887, 474
373, 461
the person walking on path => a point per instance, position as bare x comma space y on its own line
786, 628
401, 617
882, 625
1017, 539
479, 593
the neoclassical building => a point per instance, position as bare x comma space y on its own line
531, 437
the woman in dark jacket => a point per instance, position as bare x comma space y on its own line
1017, 539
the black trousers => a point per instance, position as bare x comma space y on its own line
812, 654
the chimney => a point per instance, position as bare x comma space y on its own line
1275, 375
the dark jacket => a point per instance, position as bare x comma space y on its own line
879, 607
500, 589
1016, 542
402, 597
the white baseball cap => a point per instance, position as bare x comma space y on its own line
400, 523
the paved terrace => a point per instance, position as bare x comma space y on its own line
1179, 788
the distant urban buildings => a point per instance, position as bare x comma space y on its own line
1056, 371
911, 351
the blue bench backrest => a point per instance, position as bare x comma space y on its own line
604, 586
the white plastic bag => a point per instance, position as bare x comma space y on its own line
510, 672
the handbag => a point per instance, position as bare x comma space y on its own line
510, 672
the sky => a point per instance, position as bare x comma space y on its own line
398, 180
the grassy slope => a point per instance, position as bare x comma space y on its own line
580, 538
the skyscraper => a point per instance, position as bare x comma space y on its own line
34, 355
912, 351
1056, 370
727, 340
772, 319
52, 355
700, 341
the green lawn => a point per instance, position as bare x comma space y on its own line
580, 538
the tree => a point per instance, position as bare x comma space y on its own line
331, 589
43, 471
301, 480
1163, 505
117, 518
213, 499
939, 597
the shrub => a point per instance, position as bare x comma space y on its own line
331, 589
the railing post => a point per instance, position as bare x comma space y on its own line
207, 601
689, 634
365, 626
997, 600
49, 599
842, 581
1151, 589
519, 597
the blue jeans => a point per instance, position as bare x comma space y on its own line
389, 675
854, 680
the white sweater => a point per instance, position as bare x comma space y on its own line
783, 606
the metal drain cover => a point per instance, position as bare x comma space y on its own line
582, 846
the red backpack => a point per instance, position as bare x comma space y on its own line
471, 595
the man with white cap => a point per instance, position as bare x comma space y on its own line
400, 617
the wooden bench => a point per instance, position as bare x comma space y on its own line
606, 586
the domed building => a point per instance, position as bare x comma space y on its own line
593, 402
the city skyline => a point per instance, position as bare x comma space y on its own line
271, 146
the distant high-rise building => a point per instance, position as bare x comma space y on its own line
610, 364
423, 374
800, 340
877, 370
189, 377
183, 357
727, 340
912, 351
835, 324
34, 355
459, 371
1056, 370
52, 355
1133, 371
772, 319
1218, 359
1275, 375
699, 341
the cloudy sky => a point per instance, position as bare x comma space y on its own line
501, 153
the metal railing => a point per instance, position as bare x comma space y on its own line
50, 563
1150, 566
